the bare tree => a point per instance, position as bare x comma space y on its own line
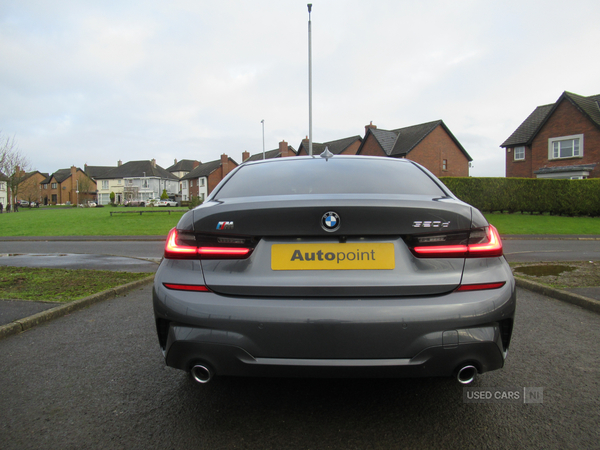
13, 165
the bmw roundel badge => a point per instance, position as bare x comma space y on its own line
330, 221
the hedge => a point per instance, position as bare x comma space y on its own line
529, 195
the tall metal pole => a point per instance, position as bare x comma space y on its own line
263, 127
310, 148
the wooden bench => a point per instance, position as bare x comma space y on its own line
148, 211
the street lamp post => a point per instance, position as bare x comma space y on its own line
263, 128
310, 149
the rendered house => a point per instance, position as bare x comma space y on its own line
67, 185
430, 144
203, 179
135, 180
559, 140
283, 151
3, 190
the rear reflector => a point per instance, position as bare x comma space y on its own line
492, 246
186, 287
174, 249
480, 286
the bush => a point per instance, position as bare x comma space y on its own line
529, 195
194, 201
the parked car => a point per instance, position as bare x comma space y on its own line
22, 203
134, 203
170, 203
339, 266
152, 202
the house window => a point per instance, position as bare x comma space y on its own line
201, 181
119, 182
565, 147
104, 184
145, 183
444, 164
53, 186
519, 153
45, 186
184, 184
2, 186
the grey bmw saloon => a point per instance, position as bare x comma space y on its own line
337, 266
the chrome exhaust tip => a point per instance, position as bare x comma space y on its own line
466, 374
201, 374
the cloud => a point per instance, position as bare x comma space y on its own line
98, 81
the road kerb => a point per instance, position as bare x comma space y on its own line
18, 326
585, 302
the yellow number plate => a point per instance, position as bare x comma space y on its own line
361, 256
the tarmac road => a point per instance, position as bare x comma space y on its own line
96, 379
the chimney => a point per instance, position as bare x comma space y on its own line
283, 149
370, 126
175, 161
194, 164
304, 145
245, 156
153, 163
224, 164
119, 163
73, 171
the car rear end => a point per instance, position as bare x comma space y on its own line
339, 267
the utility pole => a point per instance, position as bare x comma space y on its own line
310, 149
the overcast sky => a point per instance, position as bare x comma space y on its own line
98, 81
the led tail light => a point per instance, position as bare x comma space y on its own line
481, 243
177, 248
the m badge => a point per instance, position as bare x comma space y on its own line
227, 225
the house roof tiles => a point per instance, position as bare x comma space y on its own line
204, 170
185, 165
138, 169
269, 154
524, 134
401, 141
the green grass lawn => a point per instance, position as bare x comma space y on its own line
543, 224
59, 285
98, 222
48, 221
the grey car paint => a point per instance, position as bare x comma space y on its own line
407, 321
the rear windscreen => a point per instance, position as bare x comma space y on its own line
334, 176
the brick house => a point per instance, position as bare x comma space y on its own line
429, 144
345, 146
67, 185
283, 151
30, 187
559, 140
204, 178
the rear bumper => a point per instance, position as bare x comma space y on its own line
390, 337
185, 351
